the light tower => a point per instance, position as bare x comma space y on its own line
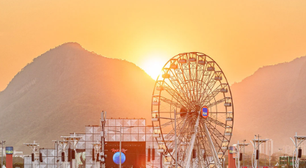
256, 143
298, 140
34, 147
74, 140
240, 146
62, 145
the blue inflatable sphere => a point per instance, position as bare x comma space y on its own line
116, 157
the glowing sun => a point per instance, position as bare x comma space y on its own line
153, 66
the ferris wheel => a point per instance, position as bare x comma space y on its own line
192, 111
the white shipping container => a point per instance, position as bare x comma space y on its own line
89, 137
111, 122
97, 129
27, 160
134, 129
51, 160
88, 160
134, 122
142, 122
43, 166
80, 145
134, 137
44, 152
51, 152
88, 129
142, 137
89, 166
88, 145
142, 130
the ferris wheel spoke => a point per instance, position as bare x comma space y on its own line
179, 143
176, 95
167, 123
211, 95
216, 136
171, 133
186, 78
210, 119
216, 102
177, 83
206, 87
170, 102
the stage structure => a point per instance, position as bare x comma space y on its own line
138, 146
192, 111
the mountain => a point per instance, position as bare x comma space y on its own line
271, 103
65, 89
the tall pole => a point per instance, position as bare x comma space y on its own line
175, 139
243, 153
120, 150
2, 154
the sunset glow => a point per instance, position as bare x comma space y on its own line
241, 35
153, 65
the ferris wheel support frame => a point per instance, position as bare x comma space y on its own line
212, 147
190, 148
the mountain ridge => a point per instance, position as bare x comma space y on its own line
66, 88
269, 102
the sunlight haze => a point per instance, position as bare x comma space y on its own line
241, 36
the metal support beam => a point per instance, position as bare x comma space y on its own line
190, 148
212, 147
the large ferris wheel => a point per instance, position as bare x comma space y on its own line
192, 111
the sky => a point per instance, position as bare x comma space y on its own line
240, 35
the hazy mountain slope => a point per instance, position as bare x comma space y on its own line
65, 89
271, 102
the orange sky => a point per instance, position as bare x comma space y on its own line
240, 35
